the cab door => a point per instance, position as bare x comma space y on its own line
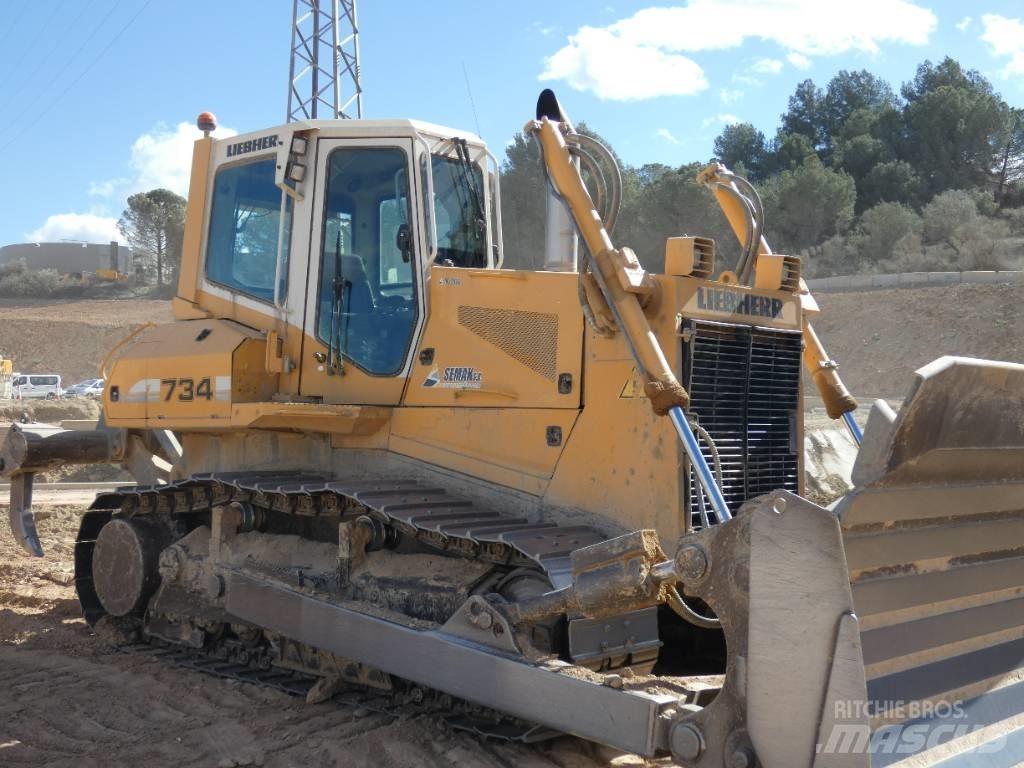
364, 303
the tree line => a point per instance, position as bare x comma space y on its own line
857, 178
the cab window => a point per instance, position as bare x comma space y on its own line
241, 253
366, 309
459, 209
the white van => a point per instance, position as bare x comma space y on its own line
37, 385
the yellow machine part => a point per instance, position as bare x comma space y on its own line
112, 275
508, 339
188, 375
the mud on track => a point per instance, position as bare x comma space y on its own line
68, 701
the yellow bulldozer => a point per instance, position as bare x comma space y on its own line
367, 454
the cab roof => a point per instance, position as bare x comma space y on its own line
366, 129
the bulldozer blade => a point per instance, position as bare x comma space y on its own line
934, 541
776, 577
23, 523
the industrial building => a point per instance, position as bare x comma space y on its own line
70, 258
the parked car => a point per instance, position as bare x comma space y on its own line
37, 385
87, 388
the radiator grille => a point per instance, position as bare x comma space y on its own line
744, 386
529, 337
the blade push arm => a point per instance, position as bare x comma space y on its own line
625, 288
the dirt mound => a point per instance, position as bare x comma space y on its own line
50, 411
881, 337
71, 338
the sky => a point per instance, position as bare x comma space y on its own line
98, 98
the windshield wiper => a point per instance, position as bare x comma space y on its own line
339, 329
474, 198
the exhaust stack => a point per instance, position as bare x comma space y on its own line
561, 242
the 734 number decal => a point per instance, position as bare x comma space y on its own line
187, 389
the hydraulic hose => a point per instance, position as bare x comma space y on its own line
622, 280
686, 613
589, 147
755, 224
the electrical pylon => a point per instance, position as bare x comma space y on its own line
324, 78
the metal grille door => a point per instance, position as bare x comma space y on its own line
744, 386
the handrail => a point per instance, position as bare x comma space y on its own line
432, 222
121, 343
497, 209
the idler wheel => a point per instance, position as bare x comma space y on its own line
125, 565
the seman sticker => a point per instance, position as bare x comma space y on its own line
455, 377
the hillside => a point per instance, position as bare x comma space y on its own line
878, 337
71, 338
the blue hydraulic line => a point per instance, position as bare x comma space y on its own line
851, 424
700, 464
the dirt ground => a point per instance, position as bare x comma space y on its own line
71, 338
880, 338
66, 700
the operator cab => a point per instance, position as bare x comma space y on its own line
332, 227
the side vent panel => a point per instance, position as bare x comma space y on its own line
529, 337
690, 257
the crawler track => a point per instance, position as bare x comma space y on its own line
430, 515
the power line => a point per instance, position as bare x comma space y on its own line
10, 28
69, 62
82, 73
40, 28
44, 58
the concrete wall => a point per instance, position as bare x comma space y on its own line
67, 257
911, 280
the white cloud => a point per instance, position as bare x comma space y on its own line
729, 95
667, 135
163, 157
106, 188
1005, 39
767, 66
798, 60
599, 61
796, 25
642, 56
964, 23
160, 158
724, 118
88, 227
745, 80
